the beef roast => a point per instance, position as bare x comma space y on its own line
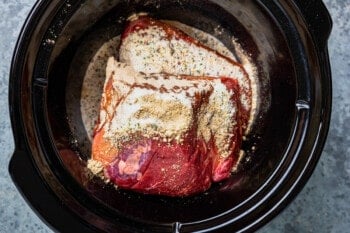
166, 134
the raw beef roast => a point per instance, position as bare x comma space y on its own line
166, 134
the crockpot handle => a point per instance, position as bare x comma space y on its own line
42, 200
318, 19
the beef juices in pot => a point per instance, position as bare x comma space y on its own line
173, 113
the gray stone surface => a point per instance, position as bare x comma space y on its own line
322, 206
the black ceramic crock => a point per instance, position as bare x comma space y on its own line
286, 39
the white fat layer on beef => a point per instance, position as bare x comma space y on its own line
151, 51
205, 38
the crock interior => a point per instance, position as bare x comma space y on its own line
259, 35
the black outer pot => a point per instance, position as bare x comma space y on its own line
289, 135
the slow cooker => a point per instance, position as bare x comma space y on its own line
285, 39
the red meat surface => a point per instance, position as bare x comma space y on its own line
156, 167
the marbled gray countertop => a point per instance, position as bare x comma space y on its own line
322, 206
